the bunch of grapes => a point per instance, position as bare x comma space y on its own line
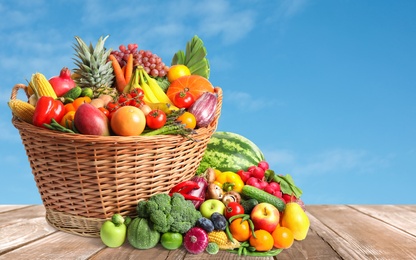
151, 63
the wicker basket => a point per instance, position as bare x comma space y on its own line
85, 179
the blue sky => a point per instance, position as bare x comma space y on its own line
325, 88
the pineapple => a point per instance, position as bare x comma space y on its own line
93, 69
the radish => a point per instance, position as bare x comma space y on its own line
195, 240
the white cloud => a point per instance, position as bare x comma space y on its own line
336, 161
248, 102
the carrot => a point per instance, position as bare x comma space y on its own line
129, 68
118, 73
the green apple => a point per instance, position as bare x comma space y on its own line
210, 206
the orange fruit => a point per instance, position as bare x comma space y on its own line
240, 229
128, 121
177, 71
81, 100
195, 84
188, 119
263, 240
282, 237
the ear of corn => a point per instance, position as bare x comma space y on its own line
220, 237
41, 86
22, 110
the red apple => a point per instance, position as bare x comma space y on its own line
265, 216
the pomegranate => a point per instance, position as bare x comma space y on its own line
63, 82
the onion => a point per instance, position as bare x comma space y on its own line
204, 109
62, 83
200, 192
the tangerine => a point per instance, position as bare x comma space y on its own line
177, 71
282, 237
263, 240
128, 121
240, 229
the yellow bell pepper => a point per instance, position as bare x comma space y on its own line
228, 181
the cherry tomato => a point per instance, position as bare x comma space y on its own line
124, 99
112, 106
183, 99
137, 93
105, 111
232, 209
156, 119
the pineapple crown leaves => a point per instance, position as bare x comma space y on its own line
92, 63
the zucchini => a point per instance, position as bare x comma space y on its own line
262, 196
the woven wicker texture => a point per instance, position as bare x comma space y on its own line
84, 179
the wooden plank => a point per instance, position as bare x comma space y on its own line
355, 235
21, 226
128, 252
313, 247
4, 208
400, 217
59, 245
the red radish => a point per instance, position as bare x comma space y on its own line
264, 165
62, 83
253, 181
256, 172
244, 175
196, 240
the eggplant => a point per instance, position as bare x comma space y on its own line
204, 109
200, 192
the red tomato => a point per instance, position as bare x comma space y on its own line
183, 99
232, 209
156, 119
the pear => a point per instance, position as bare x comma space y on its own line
295, 219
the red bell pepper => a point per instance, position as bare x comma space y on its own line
46, 109
184, 188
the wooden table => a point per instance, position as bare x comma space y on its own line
337, 232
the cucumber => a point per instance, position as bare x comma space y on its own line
73, 93
262, 196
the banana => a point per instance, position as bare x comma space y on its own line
148, 93
157, 91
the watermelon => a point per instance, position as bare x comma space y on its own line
227, 151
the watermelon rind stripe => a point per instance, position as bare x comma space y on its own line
227, 151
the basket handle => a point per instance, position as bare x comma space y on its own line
16, 88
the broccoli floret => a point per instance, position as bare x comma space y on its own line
141, 209
184, 214
167, 213
162, 201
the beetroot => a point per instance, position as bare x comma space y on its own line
195, 240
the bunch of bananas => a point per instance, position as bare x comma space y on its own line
154, 96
